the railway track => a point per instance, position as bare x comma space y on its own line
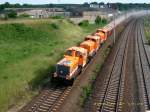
143, 66
109, 97
112, 96
48, 101
113, 88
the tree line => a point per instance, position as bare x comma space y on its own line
119, 6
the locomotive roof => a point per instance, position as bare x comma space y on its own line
88, 42
106, 28
80, 49
92, 37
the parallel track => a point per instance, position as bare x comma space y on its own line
112, 96
143, 63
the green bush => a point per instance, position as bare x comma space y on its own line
104, 21
57, 17
84, 23
55, 26
86, 91
98, 20
24, 15
12, 14
147, 26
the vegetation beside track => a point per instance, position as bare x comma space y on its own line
29, 51
87, 90
147, 28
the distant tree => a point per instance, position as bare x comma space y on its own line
114, 6
2, 7
50, 5
27, 6
102, 3
6, 4
98, 20
12, 14
86, 4
108, 5
94, 3
17, 5
104, 21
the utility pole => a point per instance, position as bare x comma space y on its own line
114, 39
114, 7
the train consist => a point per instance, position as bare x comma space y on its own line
77, 57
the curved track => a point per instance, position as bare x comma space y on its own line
143, 65
111, 95
113, 88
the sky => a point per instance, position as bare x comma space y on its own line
71, 1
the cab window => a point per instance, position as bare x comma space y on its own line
86, 38
103, 32
94, 40
78, 54
69, 53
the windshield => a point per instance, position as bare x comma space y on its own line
90, 39
94, 40
69, 53
78, 54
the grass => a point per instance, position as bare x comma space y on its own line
29, 51
87, 90
147, 28
90, 27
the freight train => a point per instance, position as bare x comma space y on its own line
77, 57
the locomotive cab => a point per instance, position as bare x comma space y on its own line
75, 58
